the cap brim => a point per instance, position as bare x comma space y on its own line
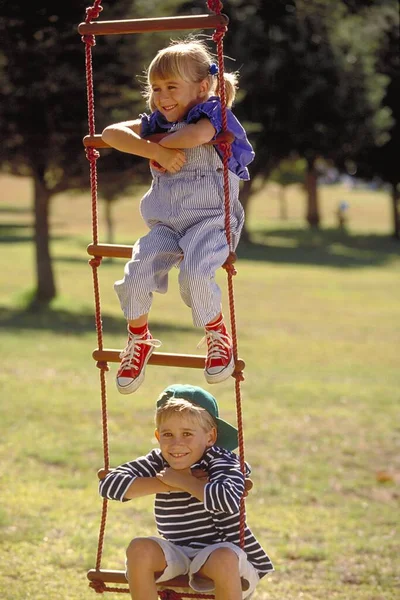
227, 435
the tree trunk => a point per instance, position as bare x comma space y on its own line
46, 289
245, 194
312, 195
396, 215
109, 221
283, 209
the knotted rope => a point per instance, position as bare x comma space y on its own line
217, 6
92, 156
174, 595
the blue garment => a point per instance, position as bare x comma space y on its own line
185, 213
242, 151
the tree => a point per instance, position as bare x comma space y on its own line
382, 159
309, 83
289, 172
43, 108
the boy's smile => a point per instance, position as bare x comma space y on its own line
183, 441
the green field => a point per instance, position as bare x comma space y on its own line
318, 319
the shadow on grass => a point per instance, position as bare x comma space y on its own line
326, 247
11, 233
15, 232
70, 323
15, 210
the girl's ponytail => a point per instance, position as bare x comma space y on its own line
231, 85
192, 61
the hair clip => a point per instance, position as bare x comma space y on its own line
213, 69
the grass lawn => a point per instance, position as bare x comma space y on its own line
318, 319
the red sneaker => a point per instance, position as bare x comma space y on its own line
220, 363
134, 358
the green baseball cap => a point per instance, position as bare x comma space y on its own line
227, 435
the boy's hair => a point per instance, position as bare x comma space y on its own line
190, 60
186, 409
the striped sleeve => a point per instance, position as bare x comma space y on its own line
223, 492
116, 483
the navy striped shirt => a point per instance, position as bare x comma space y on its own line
185, 520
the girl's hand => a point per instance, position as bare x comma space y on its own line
157, 167
171, 159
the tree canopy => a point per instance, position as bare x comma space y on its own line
310, 82
313, 83
307, 69
43, 108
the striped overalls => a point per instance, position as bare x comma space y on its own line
186, 217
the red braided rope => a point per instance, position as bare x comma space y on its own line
92, 156
173, 595
100, 587
217, 6
169, 595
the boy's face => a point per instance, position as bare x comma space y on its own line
183, 441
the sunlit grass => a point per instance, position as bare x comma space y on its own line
318, 327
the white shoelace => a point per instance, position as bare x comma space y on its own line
130, 355
218, 344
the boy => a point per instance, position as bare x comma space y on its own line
198, 518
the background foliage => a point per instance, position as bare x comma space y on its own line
318, 80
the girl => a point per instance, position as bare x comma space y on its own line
184, 207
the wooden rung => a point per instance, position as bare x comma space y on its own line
107, 576
163, 359
96, 141
148, 25
110, 250
119, 577
118, 251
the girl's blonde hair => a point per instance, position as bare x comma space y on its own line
190, 60
186, 409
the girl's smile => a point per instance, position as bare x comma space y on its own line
175, 97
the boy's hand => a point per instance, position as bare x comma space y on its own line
199, 474
171, 159
203, 476
176, 479
173, 478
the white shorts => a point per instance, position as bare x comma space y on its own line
183, 560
